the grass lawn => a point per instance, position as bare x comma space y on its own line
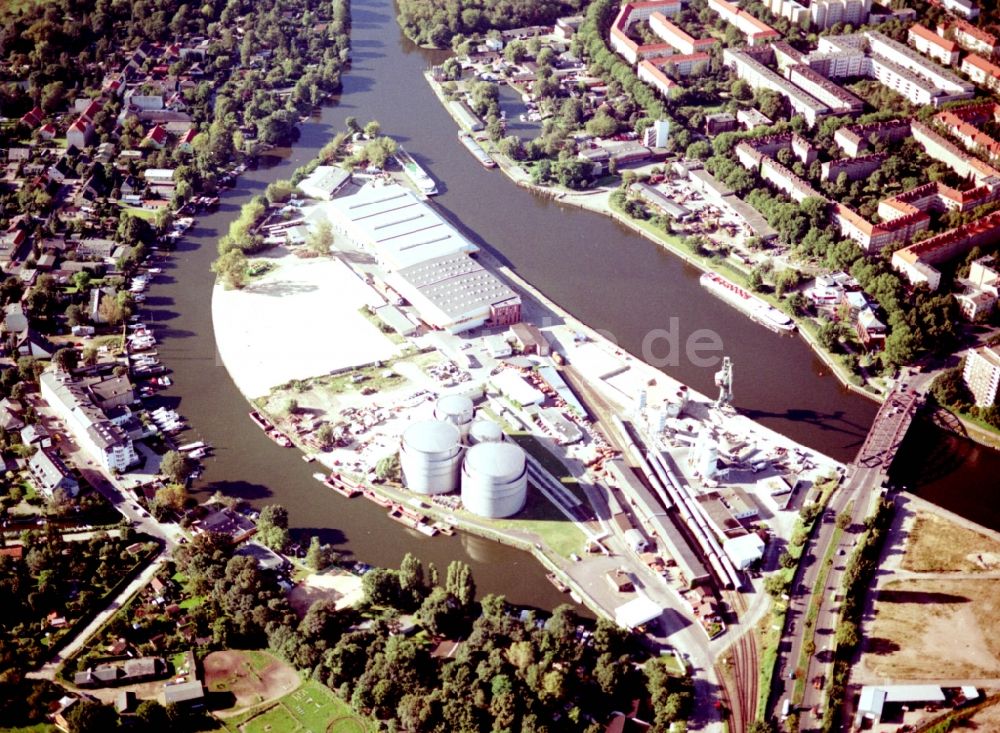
141, 213
36, 728
937, 545
193, 602
544, 519
312, 708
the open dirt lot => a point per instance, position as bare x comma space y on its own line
278, 328
343, 589
932, 628
937, 545
251, 677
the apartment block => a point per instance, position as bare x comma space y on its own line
982, 71
631, 13
917, 261
931, 44
982, 374
821, 14
756, 31
855, 139
970, 37
940, 148
672, 34
839, 100
760, 76
854, 168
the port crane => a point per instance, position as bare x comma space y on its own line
724, 381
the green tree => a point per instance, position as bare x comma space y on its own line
319, 556
460, 584
231, 269
272, 527
176, 466
321, 238
66, 359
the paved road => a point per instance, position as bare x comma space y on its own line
864, 481
49, 669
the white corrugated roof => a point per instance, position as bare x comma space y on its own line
401, 229
637, 612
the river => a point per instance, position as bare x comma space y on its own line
612, 279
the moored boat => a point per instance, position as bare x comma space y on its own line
262, 422
473, 147
280, 438
421, 178
759, 310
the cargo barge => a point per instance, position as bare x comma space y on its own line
759, 310
473, 147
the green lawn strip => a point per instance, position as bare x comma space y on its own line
384, 328
193, 602
36, 728
770, 639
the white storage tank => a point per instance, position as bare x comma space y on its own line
430, 457
494, 479
456, 409
485, 431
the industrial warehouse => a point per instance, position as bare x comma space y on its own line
423, 258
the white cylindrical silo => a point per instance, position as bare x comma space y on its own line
456, 409
485, 431
430, 456
494, 479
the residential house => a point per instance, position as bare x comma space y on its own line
80, 134
185, 141
870, 330
50, 474
156, 137
33, 118
47, 131
229, 522
11, 414
36, 435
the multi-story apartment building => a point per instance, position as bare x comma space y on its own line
930, 43
760, 76
982, 374
970, 37
757, 31
982, 71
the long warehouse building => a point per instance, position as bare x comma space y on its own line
395, 226
662, 526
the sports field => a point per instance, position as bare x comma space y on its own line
312, 708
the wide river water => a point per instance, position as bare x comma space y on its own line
610, 278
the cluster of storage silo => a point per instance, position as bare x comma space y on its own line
453, 451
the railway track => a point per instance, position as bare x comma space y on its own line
746, 671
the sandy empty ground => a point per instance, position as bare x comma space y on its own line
297, 321
233, 671
937, 545
343, 589
933, 628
